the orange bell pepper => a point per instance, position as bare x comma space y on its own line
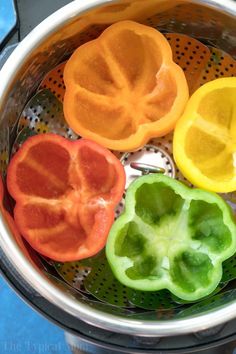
123, 88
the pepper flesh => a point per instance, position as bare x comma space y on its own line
204, 143
171, 237
124, 88
65, 193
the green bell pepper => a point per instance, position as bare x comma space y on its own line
171, 237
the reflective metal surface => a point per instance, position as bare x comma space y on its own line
213, 22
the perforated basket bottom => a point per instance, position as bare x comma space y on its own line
92, 278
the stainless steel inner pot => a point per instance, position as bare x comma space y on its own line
211, 21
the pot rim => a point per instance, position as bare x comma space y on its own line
30, 274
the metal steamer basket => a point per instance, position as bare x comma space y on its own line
82, 297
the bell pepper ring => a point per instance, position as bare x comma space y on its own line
171, 237
65, 193
204, 144
124, 88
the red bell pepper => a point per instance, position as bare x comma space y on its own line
65, 193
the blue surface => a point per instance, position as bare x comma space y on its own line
7, 18
22, 330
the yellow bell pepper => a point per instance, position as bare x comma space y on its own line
205, 137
